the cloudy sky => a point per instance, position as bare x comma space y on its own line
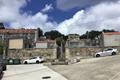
66, 16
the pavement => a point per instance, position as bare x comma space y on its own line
31, 72
103, 68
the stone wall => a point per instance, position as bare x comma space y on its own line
27, 53
50, 54
85, 51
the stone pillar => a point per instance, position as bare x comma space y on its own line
54, 53
67, 53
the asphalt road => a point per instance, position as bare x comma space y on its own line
104, 68
31, 72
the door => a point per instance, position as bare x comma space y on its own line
32, 60
107, 52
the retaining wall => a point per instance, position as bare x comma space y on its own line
27, 53
50, 54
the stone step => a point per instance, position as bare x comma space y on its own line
59, 63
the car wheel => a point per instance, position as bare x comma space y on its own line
25, 62
98, 55
113, 53
41, 61
37, 62
4, 68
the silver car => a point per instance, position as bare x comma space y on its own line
107, 52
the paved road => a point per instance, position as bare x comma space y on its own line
30, 72
104, 68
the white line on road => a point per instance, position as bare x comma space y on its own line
115, 76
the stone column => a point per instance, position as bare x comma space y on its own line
54, 53
67, 53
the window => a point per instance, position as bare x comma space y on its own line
40, 57
108, 49
33, 58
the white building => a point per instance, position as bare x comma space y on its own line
110, 39
45, 44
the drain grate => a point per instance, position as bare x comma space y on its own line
46, 77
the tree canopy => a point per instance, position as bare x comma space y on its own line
40, 32
2, 26
53, 34
92, 34
106, 30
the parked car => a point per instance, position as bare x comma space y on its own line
107, 52
36, 59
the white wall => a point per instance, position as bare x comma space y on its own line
41, 45
111, 40
15, 43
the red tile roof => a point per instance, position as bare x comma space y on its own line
112, 33
17, 31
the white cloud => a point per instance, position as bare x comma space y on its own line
69, 4
47, 8
98, 17
101, 16
34, 21
10, 12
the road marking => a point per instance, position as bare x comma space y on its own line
115, 76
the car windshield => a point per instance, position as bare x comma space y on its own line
40, 57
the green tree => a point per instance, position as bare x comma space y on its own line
90, 35
58, 41
2, 26
40, 32
53, 34
107, 30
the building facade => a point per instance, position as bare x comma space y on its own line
73, 37
29, 36
46, 44
110, 39
16, 44
74, 41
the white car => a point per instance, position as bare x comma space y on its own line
107, 52
34, 60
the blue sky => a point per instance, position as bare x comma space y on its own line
66, 16
56, 14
